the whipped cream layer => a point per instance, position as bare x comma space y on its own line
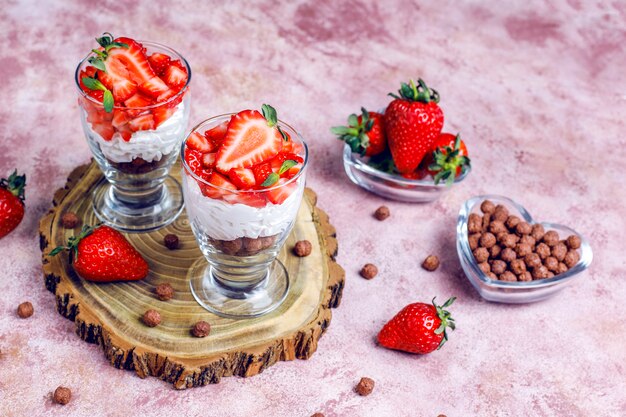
225, 221
149, 145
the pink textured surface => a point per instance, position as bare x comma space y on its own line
537, 90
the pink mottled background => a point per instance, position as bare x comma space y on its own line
537, 90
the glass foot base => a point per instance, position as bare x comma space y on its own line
127, 218
236, 304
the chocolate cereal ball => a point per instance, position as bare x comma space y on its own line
561, 268
508, 276
512, 222
302, 248
537, 232
510, 240
507, 254
369, 271
528, 239
573, 242
62, 395
494, 251
518, 266
523, 249
497, 226
532, 260
523, 228
481, 255
542, 250
473, 240
526, 276
551, 238
487, 207
540, 272
365, 386
431, 263
474, 223
493, 276
558, 251
486, 222
550, 274
500, 213
485, 267
571, 258
498, 267
551, 263
487, 240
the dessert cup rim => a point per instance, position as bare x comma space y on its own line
152, 106
224, 116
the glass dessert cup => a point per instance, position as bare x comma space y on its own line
240, 233
136, 194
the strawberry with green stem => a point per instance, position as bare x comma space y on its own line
365, 134
11, 202
449, 158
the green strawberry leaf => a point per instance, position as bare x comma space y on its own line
270, 180
108, 101
270, 115
286, 166
93, 84
98, 63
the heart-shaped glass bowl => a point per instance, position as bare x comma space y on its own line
393, 186
514, 292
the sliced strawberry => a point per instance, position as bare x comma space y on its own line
243, 178
98, 115
97, 94
143, 122
121, 88
154, 87
220, 181
175, 77
138, 100
208, 160
199, 143
249, 199
133, 59
104, 129
161, 114
261, 172
194, 161
249, 141
120, 117
87, 72
125, 132
292, 172
280, 194
218, 133
159, 62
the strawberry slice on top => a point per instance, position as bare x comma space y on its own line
252, 138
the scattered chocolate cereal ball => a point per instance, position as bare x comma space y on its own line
151, 318
487, 207
25, 310
430, 263
532, 260
382, 213
481, 254
542, 250
562, 268
473, 240
529, 240
573, 242
164, 292
512, 222
526, 276
201, 329
497, 226
551, 263
558, 251
510, 240
518, 266
540, 272
171, 241
508, 276
487, 240
231, 247
369, 271
571, 258
523, 228
551, 238
486, 222
501, 213
62, 395
485, 267
70, 220
537, 232
507, 255
498, 267
365, 386
522, 249
318, 415
495, 250
474, 223
302, 248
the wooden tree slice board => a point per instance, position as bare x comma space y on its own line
109, 314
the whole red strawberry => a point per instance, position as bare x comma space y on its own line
418, 328
412, 123
364, 134
11, 202
103, 254
449, 158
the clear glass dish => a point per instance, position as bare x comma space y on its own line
514, 292
392, 186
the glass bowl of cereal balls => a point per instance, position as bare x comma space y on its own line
510, 258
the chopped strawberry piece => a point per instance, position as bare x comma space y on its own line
138, 100
243, 178
194, 161
133, 59
249, 141
143, 122
249, 199
291, 172
125, 132
161, 114
261, 172
280, 194
104, 129
119, 118
98, 115
222, 185
218, 133
87, 72
121, 87
175, 77
97, 94
154, 87
159, 62
199, 143
208, 160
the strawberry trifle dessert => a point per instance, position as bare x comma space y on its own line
134, 108
243, 181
